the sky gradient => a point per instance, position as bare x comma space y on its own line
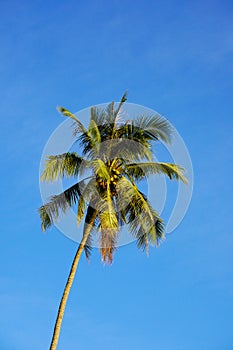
174, 57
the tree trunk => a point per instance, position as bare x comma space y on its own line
61, 310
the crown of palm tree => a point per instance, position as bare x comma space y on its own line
118, 154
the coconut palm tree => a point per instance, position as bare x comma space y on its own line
117, 155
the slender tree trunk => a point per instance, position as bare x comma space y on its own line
68, 286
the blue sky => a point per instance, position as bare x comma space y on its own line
174, 57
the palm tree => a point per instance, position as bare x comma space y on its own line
118, 155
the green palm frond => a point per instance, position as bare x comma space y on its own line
109, 114
154, 127
122, 101
58, 166
98, 115
90, 140
94, 132
46, 221
79, 126
117, 111
88, 245
129, 150
87, 193
81, 209
87, 144
60, 203
109, 126
129, 132
143, 221
141, 170
156, 233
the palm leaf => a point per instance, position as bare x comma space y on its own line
94, 132
129, 150
81, 209
88, 192
130, 132
122, 101
154, 127
60, 203
94, 138
79, 126
109, 115
90, 140
143, 221
117, 111
140, 170
46, 221
87, 144
58, 166
98, 115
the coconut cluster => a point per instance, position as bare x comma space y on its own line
114, 177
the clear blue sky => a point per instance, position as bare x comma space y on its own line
175, 57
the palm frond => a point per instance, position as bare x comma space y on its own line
87, 138
88, 193
128, 132
144, 239
117, 111
46, 221
141, 170
98, 115
90, 140
129, 150
81, 209
109, 114
79, 126
88, 246
94, 133
143, 221
154, 127
87, 144
122, 101
58, 166
60, 203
